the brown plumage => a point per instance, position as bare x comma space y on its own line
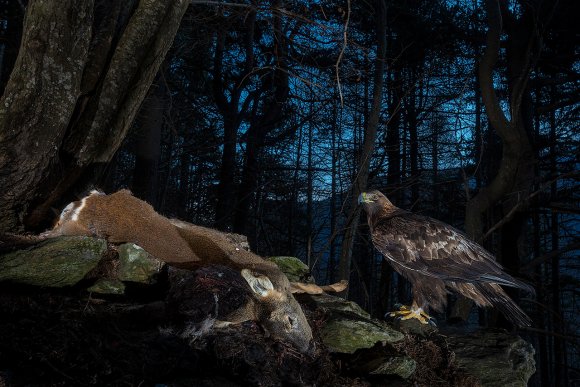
436, 258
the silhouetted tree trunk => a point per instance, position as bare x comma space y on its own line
411, 115
228, 104
63, 115
231, 121
362, 174
437, 128
330, 272
309, 198
295, 193
516, 169
149, 145
10, 35
268, 103
560, 362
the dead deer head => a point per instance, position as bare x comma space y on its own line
278, 311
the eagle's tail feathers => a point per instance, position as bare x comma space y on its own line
509, 281
499, 299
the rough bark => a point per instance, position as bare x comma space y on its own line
81, 74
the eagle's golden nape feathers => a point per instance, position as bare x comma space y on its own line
436, 258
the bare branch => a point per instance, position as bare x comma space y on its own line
525, 201
546, 257
341, 54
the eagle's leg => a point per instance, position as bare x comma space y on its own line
414, 311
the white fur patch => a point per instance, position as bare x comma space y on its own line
66, 211
77, 211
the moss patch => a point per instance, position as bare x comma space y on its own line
107, 286
346, 335
56, 262
295, 269
137, 265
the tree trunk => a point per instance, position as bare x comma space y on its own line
360, 182
274, 94
413, 141
226, 188
393, 150
516, 169
309, 199
10, 35
330, 271
393, 136
228, 105
61, 116
149, 145
560, 366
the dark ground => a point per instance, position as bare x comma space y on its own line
65, 338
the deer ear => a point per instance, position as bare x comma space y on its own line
261, 285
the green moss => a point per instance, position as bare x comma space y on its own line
496, 358
137, 265
332, 303
295, 269
107, 286
396, 365
345, 335
56, 262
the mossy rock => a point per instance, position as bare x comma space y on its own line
57, 262
107, 286
402, 366
295, 269
495, 357
348, 332
332, 303
137, 265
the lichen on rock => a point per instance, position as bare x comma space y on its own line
294, 268
57, 262
137, 265
495, 357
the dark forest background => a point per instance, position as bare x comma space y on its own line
269, 118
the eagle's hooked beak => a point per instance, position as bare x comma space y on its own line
362, 198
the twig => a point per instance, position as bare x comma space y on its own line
219, 3
569, 337
341, 54
541, 259
524, 202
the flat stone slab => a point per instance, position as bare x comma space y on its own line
137, 265
56, 262
347, 333
496, 358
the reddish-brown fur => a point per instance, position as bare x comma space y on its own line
121, 217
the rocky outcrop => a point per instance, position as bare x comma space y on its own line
53, 263
75, 312
494, 357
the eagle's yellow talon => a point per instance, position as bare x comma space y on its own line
407, 313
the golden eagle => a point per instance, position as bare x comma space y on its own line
435, 258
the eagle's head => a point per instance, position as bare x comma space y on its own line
374, 202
